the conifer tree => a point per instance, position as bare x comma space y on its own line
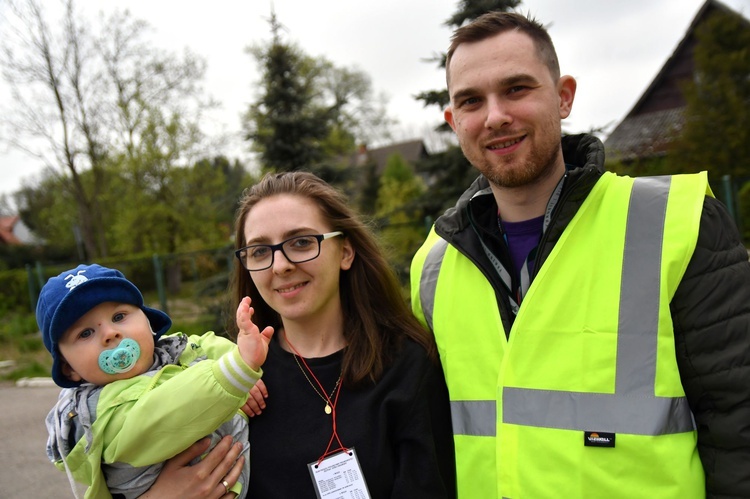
716, 133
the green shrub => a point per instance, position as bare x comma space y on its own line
14, 291
30, 344
31, 369
17, 325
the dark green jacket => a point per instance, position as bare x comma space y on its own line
710, 310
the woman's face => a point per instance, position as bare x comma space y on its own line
298, 292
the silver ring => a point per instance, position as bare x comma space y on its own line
226, 486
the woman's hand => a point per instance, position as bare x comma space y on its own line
203, 480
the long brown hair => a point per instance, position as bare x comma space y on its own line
376, 317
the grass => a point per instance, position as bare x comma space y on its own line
21, 342
30, 369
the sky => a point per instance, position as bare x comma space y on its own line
614, 50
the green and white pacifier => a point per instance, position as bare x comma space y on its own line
120, 359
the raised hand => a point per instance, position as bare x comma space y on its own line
252, 342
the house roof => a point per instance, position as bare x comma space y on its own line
645, 135
6, 230
410, 150
650, 126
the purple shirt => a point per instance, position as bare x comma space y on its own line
522, 238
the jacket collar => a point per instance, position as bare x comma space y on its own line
584, 158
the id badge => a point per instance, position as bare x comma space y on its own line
339, 476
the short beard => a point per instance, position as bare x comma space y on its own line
536, 169
540, 164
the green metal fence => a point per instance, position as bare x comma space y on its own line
190, 286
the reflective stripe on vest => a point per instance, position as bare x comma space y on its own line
428, 280
636, 345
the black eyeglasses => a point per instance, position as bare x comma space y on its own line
296, 249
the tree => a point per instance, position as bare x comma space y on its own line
308, 110
45, 71
367, 194
401, 230
160, 206
450, 173
716, 134
90, 97
5, 206
358, 116
48, 208
226, 201
179, 209
284, 125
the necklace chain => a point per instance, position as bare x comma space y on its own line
327, 409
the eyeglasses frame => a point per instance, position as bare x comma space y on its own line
280, 247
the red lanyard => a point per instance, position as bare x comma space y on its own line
332, 403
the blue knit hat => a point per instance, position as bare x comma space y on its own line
67, 297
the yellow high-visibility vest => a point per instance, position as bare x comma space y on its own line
584, 399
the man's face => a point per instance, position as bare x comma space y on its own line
506, 109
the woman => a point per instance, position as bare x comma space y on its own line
353, 379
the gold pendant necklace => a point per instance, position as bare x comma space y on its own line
327, 408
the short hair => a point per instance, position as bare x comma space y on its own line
493, 23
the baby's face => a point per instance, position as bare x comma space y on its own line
102, 329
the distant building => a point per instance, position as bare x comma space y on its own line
657, 118
13, 232
411, 151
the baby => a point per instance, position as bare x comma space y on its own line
134, 397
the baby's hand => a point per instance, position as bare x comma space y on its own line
252, 343
256, 401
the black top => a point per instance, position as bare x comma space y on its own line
400, 428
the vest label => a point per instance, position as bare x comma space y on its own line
598, 439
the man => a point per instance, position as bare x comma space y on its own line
594, 330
